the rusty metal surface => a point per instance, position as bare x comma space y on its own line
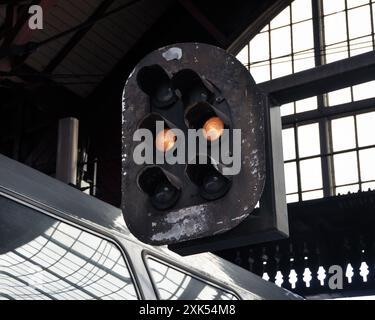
201, 219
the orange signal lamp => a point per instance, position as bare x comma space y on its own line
165, 140
213, 129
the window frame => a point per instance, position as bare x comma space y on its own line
357, 150
167, 261
320, 52
64, 218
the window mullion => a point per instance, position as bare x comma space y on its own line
324, 126
372, 25
357, 154
298, 163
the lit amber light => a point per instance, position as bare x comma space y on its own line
213, 129
165, 140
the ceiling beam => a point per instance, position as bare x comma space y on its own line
78, 36
19, 29
57, 96
20, 33
204, 22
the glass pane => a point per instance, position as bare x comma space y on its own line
243, 56
307, 104
367, 163
308, 140
337, 52
291, 183
173, 284
360, 46
359, 20
339, 97
368, 186
366, 129
303, 36
311, 174
335, 28
292, 198
356, 3
287, 109
364, 91
42, 258
343, 134
259, 48
346, 168
260, 72
331, 6
289, 147
281, 67
304, 61
281, 42
312, 195
301, 10
347, 189
282, 19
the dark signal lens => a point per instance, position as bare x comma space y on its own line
165, 196
214, 185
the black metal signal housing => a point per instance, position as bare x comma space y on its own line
201, 87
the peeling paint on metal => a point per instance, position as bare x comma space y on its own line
172, 54
185, 222
240, 218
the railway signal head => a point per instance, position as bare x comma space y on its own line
193, 144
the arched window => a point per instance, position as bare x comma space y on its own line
331, 155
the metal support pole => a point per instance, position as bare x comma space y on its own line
94, 178
67, 151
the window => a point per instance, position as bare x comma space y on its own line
303, 168
174, 284
284, 46
353, 145
323, 156
44, 259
